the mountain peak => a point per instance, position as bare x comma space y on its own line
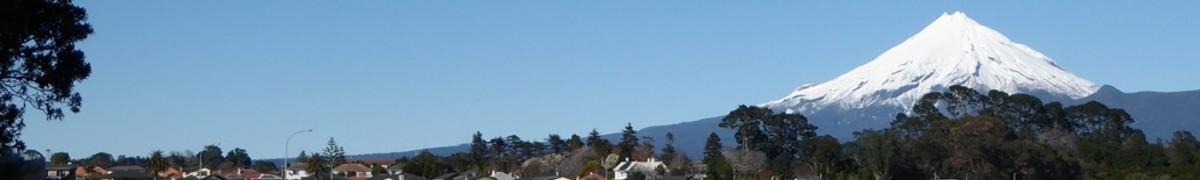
954, 16
952, 50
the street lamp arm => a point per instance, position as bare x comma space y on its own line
285, 150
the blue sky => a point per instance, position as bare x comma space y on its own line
383, 76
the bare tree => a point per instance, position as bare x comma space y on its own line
644, 151
573, 163
745, 161
542, 165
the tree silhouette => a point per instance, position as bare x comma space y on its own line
39, 63
156, 163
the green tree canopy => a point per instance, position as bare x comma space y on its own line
60, 158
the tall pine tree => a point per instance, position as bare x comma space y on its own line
668, 151
629, 141
575, 142
334, 153
718, 167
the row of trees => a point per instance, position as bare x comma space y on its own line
553, 156
960, 134
157, 161
211, 157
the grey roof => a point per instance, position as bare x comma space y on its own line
396, 167
624, 166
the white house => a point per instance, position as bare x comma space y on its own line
296, 171
502, 176
199, 173
650, 167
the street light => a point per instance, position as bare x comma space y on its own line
285, 151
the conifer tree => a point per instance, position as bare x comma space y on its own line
334, 153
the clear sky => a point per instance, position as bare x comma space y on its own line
384, 76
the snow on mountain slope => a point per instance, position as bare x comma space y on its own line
954, 49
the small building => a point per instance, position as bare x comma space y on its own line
497, 175
60, 171
650, 168
353, 170
395, 169
200, 173
296, 172
82, 172
240, 173
172, 173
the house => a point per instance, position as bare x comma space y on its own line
82, 172
60, 171
265, 176
395, 169
296, 172
172, 173
239, 173
199, 173
353, 170
502, 176
650, 167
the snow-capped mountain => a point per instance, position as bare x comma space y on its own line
954, 49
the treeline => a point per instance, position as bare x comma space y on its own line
211, 157
959, 134
572, 156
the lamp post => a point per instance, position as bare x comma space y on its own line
285, 151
